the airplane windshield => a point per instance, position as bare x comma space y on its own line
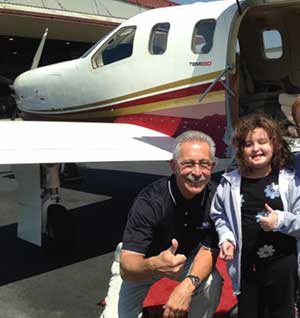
118, 47
85, 54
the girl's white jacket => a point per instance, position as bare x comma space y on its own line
226, 213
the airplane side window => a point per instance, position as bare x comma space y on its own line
272, 42
159, 38
203, 36
118, 47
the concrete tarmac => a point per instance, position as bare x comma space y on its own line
36, 282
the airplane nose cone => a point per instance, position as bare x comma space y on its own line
48, 89
30, 91
40, 90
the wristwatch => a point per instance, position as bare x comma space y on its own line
195, 280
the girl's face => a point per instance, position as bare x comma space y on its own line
258, 150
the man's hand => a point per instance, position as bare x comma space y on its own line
179, 301
168, 262
268, 223
136, 267
227, 251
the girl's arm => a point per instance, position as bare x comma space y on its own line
287, 222
218, 215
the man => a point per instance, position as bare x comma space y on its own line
169, 234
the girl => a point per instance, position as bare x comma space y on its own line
256, 211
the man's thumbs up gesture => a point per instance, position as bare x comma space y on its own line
168, 262
174, 246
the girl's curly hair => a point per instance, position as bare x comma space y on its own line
282, 157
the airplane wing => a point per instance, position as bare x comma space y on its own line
28, 142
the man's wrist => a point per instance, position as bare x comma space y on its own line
151, 265
188, 286
195, 280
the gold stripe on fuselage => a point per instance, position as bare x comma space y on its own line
171, 103
213, 97
139, 94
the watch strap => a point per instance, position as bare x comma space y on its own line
195, 280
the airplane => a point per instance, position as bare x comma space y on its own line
199, 66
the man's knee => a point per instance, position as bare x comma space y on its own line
205, 301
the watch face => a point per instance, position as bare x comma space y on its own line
195, 280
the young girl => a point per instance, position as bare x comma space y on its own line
256, 211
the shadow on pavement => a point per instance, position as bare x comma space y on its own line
98, 227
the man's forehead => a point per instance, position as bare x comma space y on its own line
195, 143
200, 147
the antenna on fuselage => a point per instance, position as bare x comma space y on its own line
239, 6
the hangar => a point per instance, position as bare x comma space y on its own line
73, 25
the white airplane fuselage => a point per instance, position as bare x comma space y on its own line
157, 91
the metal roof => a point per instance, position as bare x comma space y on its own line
153, 3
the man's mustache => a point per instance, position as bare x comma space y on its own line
196, 179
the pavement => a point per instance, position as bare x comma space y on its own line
36, 282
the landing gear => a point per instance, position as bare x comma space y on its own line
69, 173
60, 236
43, 219
58, 233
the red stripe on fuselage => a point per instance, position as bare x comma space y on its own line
184, 92
213, 125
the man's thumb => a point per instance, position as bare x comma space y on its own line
174, 246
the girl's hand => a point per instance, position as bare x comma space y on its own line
227, 251
268, 223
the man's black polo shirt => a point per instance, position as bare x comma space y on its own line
160, 213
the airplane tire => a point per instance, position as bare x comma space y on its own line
60, 232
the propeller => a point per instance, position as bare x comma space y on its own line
38, 54
7, 83
7, 102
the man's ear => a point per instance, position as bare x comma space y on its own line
213, 165
173, 165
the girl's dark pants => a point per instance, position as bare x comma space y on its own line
269, 290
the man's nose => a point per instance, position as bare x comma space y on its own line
196, 169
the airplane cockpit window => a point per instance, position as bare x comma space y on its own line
118, 47
86, 53
272, 44
159, 38
203, 36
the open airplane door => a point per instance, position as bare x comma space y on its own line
257, 2
263, 53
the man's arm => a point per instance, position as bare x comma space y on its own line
204, 262
135, 267
180, 299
